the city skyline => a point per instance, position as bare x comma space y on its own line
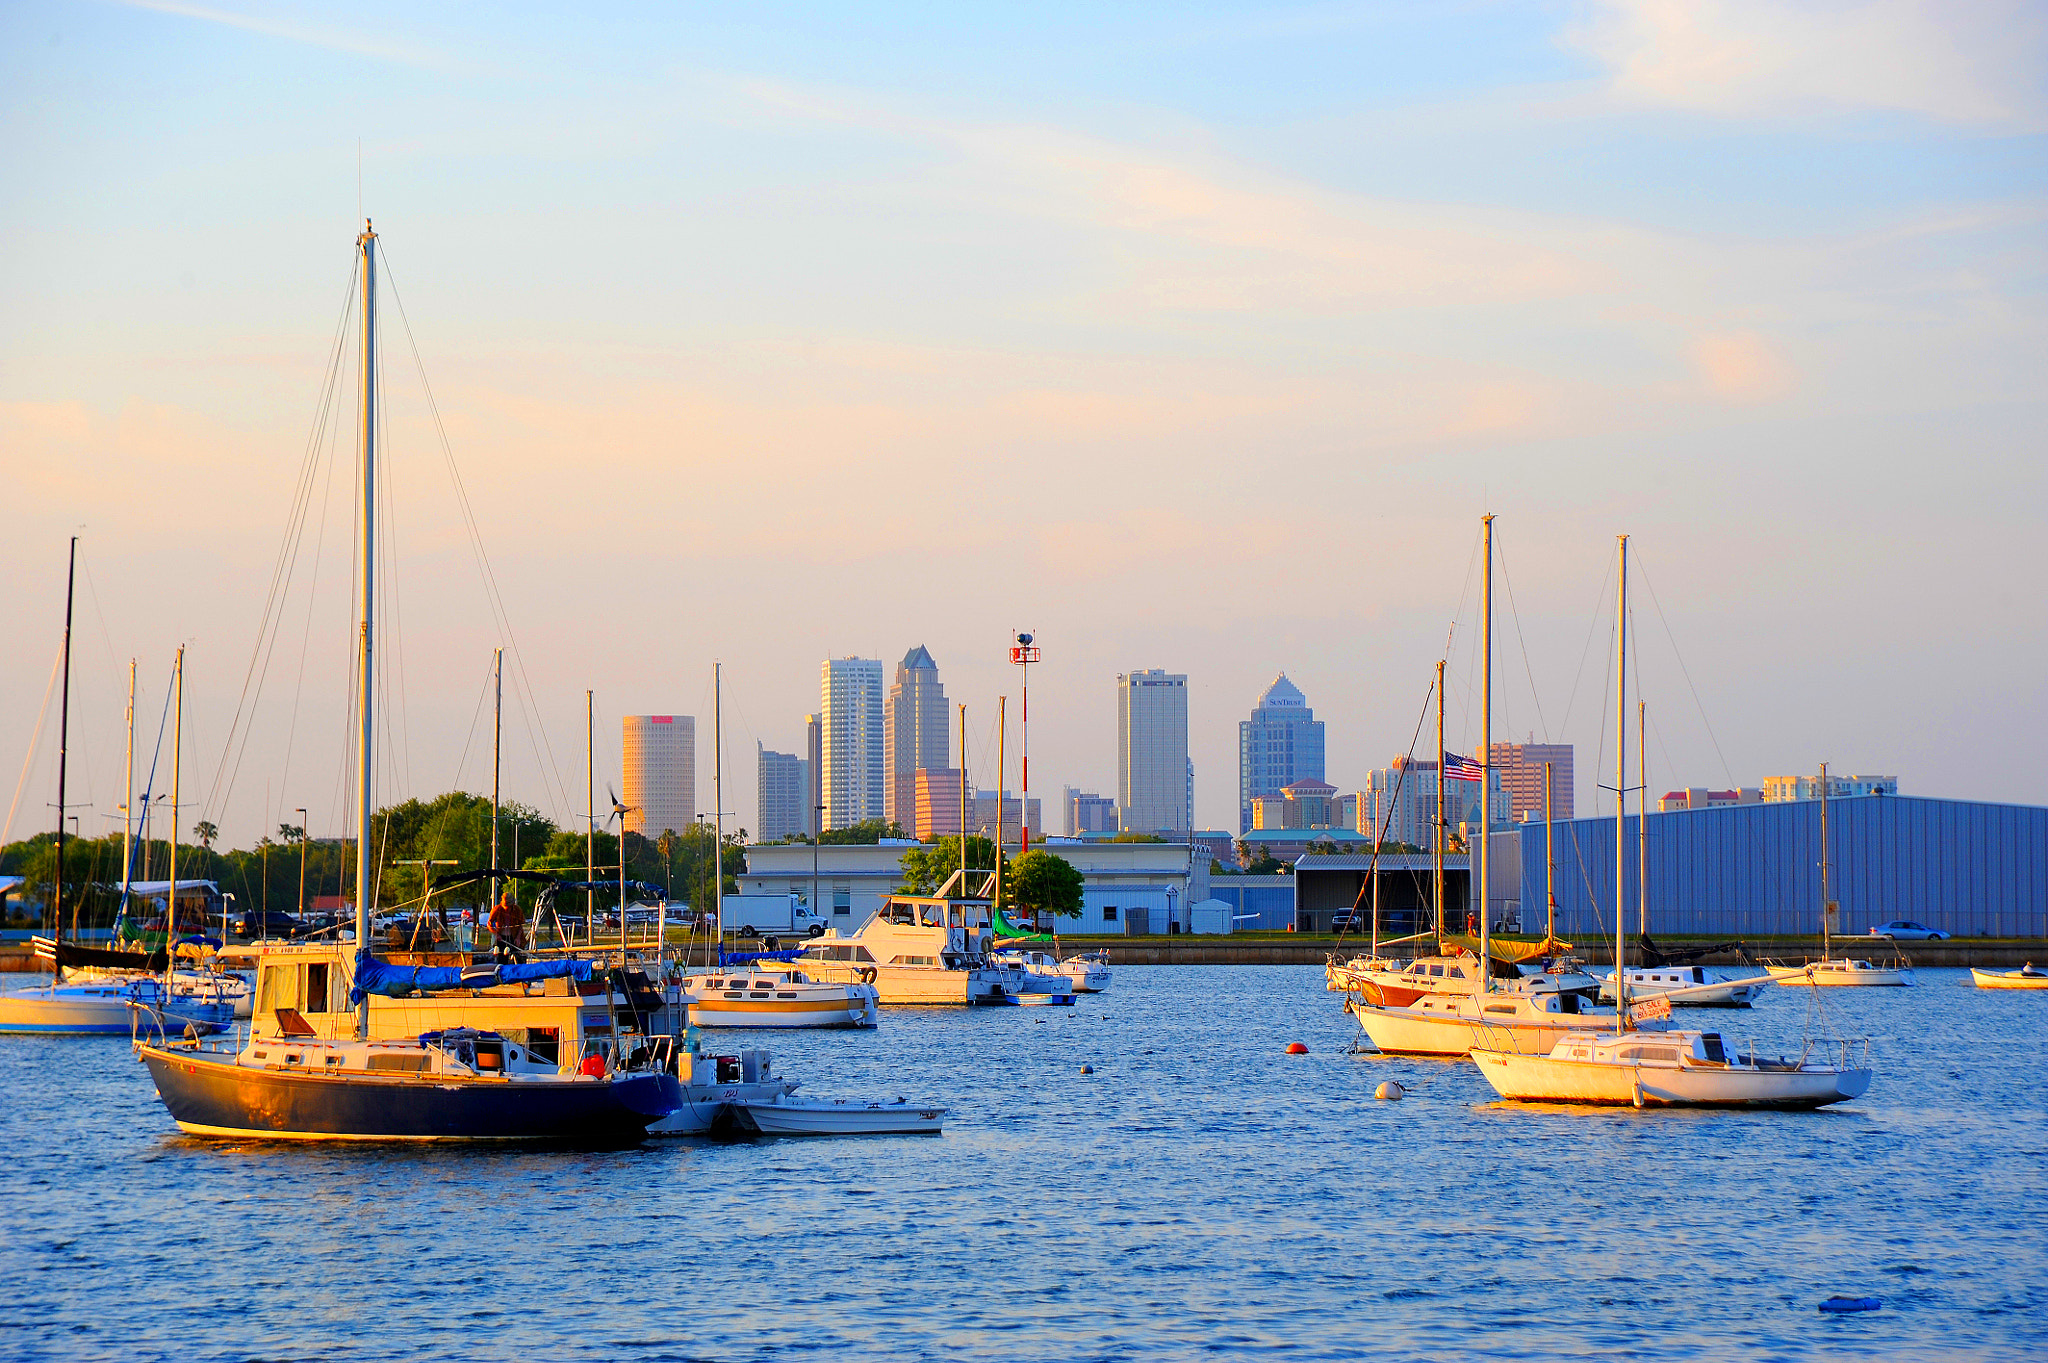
1234, 261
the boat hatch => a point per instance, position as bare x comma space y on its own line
1711, 1043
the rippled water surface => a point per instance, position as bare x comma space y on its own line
1200, 1194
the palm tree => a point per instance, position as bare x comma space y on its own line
206, 833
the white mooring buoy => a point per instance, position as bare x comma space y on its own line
1390, 1090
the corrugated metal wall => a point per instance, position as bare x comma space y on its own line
1754, 870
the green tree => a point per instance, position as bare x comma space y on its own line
1043, 883
206, 832
868, 831
1132, 836
927, 867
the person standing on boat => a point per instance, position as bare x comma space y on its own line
508, 930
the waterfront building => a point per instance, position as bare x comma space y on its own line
1126, 887
1154, 776
1519, 767
938, 803
1781, 788
1307, 803
1087, 812
916, 733
1699, 797
1968, 868
854, 776
659, 777
783, 784
1257, 903
1280, 744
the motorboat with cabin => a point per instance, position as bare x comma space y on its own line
1668, 1069
920, 949
460, 1084
1689, 985
1045, 983
764, 996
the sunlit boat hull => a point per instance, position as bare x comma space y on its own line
819, 1117
2008, 979
1844, 974
1417, 1031
850, 1005
1544, 1079
209, 1094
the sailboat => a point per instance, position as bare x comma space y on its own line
1639, 1066
455, 1084
1451, 1004
1831, 969
104, 993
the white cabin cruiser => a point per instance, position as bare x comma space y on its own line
766, 996
1666, 1069
920, 950
1688, 985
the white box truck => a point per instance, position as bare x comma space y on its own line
771, 915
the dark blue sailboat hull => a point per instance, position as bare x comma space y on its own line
208, 1094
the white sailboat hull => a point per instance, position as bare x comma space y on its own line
925, 986
1712, 994
789, 1116
1543, 1078
1844, 974
1412, 1031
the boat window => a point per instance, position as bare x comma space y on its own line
1436, 970
860, 954
714, 984
401, 1063
316, 989
261, 1055
293, 1057
545, 1043
1711, 1041
1456, 972
1699, 976
1665, 1053
1500, 1008
1579, 1053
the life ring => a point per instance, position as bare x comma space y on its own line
868, 974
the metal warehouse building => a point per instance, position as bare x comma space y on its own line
1754, 870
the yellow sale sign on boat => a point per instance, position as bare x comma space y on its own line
1649, 1010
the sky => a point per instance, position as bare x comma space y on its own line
1192, 336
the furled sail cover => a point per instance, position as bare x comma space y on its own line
396, 981
1507, 949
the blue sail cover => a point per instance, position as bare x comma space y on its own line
396, 981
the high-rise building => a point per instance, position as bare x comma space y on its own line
914, 733
1520, 768
660, 776
1013, 810
1401, 798
1307, 803
855, 771
938, 803
784, 784
1280, 744
1779, 788
1088, 812
1154, 777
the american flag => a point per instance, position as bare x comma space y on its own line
1458, 768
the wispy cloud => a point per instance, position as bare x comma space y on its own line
291, 30
1980, 62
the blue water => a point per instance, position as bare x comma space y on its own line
1201, 1194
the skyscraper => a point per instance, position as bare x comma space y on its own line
1280, 744
1154, 777
660, 776
855, 772
915, 733
784, 784
1520, 767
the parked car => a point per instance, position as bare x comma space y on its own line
1906, 930
268, 923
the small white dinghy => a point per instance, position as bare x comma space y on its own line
2027, 976
789, 1115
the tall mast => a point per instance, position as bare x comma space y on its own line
1642, 819
1620, 792
366, 247
128, 800
717, 800
1827, 903
590, 810
1549, 864
1486, 767
497, 753
1437, 824
1002, 774
964, 891
63, 753
177, 766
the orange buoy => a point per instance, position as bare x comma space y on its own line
1296, 1048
